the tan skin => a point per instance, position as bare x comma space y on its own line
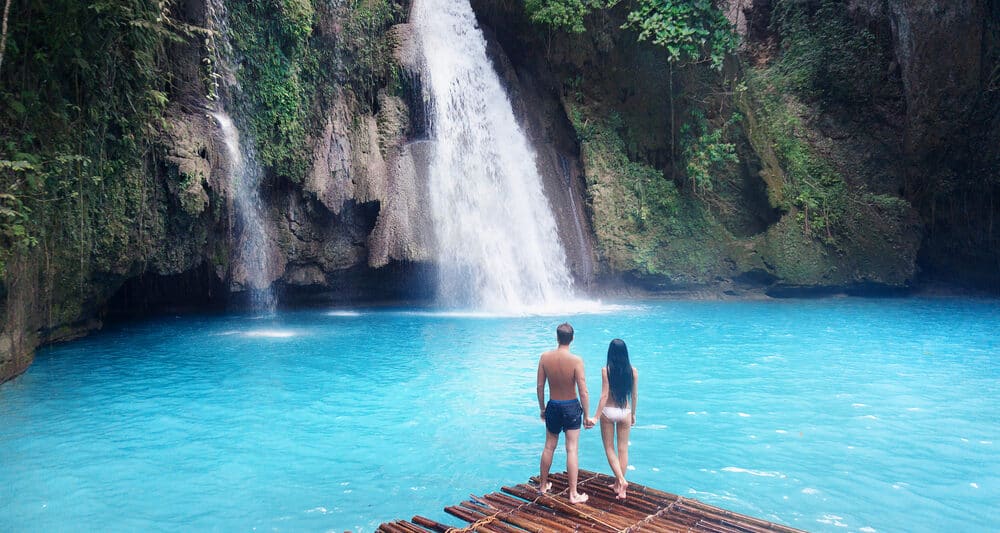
565, 375
617, 460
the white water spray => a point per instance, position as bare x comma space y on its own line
250, 263
498, 249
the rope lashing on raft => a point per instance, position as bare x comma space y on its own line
653, 516
487, 519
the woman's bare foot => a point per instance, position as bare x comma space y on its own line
621, 489
579, 497
546, 488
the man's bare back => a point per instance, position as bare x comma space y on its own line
564, 372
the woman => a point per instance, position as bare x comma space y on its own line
616, 411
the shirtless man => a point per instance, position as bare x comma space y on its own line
564, 412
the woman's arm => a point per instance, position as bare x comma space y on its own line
635, 392
605, 390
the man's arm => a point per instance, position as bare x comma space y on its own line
581, 387
541, 388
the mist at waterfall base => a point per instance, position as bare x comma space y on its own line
832, 415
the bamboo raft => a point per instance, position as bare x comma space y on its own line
521, 509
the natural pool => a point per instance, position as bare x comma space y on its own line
827, 415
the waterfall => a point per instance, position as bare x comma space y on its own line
250, 269
498, 249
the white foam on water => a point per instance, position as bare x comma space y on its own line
866, 529
565, 308
654, 469
343, 312
758, 473
631, 467
270, 333
809, 490
780, 431
655, 427
858, 405
744, 415
974, 485
321, 510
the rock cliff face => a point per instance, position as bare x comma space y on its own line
858, 121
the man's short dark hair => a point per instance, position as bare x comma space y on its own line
564, 333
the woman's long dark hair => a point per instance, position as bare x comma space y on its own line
619, 372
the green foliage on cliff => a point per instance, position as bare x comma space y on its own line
84, 85
706, 152
825, 54
271, 38
566, 15
689, 30
290, 69
364, 53
643, 223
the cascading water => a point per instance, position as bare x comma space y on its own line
250, 270
498, 249
251, 263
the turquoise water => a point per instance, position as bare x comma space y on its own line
828, 415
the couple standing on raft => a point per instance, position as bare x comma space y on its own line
565, 412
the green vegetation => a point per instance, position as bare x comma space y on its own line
642, 222
689, 30
825, 58
274, 35
295, 69
824, 54
85, 85
565, 15
705, 152
364, 52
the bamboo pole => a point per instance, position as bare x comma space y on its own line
430, 524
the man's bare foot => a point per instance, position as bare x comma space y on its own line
579, 497
546, 488
621, 489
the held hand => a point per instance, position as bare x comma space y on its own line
588, 423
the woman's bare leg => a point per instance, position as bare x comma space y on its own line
624, 428
608, 436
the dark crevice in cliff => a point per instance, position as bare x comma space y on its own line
399, 282
150, 294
